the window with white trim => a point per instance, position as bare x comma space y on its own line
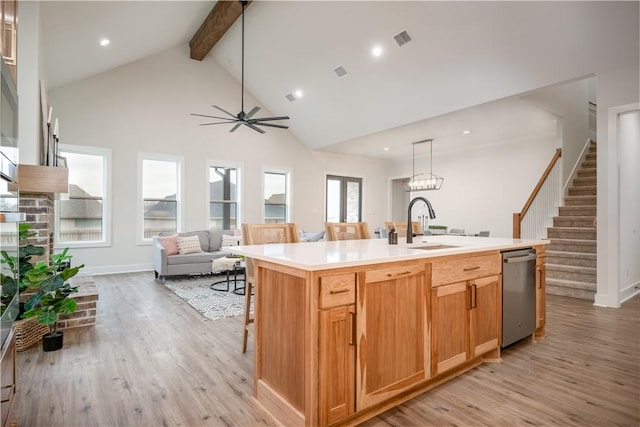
82, 218
224, 197
160, 191
276, 197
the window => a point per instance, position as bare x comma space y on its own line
160, 189
276, 197
223, 197
82, 212
344, 199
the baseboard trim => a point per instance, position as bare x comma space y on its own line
116, 269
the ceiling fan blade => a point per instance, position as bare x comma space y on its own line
235, 127
257, 129
269, 119
216, 123
212, 117
252, 112
271, 125
224, 111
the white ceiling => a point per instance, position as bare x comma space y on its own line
463, 55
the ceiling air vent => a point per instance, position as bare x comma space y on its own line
291, 97
402, 38
340, 71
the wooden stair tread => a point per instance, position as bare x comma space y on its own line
571, 268
568, 254
571, 284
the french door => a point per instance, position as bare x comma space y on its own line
344, 199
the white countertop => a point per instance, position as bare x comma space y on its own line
312, 256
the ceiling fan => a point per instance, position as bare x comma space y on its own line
243, 118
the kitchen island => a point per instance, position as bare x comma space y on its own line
348, 329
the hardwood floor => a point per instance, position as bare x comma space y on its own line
151, 360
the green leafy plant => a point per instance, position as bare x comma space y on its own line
19, 265
52, 296
438, 227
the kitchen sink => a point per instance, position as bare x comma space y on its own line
434, 247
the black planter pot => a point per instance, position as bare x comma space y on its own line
52, 342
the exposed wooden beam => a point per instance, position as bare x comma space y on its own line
219, 20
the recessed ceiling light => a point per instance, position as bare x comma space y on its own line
376, 51
298, 93
104, 42
386, 148
466, 132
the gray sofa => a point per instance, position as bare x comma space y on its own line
193, 263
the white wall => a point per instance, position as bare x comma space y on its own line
570, 101
483, 187
145, 107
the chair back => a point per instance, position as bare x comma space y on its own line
401, 227
347, 230
261, 234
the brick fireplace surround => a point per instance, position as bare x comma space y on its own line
39, 211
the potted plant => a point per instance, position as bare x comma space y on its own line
52, 296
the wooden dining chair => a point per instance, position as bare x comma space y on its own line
401, 227
347, 230
262, 234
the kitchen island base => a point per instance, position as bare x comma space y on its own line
339, 346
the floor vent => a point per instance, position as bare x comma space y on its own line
402, 38
340, 71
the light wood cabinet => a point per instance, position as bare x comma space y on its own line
465, 316
450, 326
337, 347
393, 335
337, 364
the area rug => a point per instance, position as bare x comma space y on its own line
211, 304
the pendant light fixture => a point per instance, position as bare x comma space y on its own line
423, 181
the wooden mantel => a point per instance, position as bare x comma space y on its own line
42, 179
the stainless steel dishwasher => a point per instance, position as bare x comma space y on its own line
518, 295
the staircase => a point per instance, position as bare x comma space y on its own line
571, 256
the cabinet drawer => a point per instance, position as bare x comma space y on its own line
337, 290
459, 270
394, 273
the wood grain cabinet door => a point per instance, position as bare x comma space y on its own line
450, 323
393, 341
485, 314
337, 364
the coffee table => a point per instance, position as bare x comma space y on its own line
229, 265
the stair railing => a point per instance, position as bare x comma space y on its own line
541, 206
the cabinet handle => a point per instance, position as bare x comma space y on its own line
399, 274
474, 294
539, 277
339, 291
352, 337
472, 268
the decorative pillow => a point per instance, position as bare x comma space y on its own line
189, 245
169, 243
230, 240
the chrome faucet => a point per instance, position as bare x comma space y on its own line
432, 215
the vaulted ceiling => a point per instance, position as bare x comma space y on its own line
462, 57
